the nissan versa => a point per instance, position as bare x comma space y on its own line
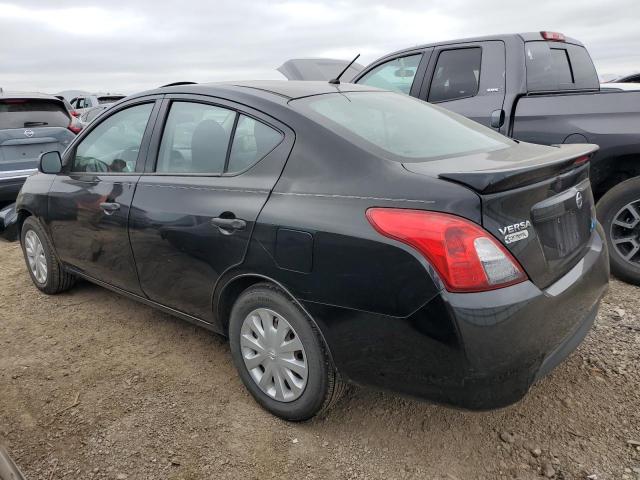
334, 233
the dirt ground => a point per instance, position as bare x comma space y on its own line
95, 386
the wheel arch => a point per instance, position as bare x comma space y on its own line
610, 172
227, 293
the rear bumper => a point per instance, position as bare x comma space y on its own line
476, 350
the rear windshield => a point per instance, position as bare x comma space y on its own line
32, 113
400, 127
110, 99
553, 66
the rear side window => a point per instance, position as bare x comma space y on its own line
252, 140
113, 146
399, 127
553, 66
396, 75
457, 75
195, 139
32, 113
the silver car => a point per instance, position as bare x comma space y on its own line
83, 103
30, 124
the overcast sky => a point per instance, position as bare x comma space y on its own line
129, 45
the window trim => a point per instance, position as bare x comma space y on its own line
435, 65
70, 152
163, 116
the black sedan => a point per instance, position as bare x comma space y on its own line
334, 233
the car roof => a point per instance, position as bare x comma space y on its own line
275, 90
28, 95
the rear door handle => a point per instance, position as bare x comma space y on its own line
228, 225
109, 207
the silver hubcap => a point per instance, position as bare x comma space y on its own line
273, 355
625, 232
35, 256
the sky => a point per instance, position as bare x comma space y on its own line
127, 46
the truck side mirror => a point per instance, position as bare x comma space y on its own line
50, 162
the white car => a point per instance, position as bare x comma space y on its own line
83, 103
613, 86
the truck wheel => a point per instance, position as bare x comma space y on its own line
619, 213
44, 268
280, 355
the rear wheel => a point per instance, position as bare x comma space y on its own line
619, 213
44, 268
280, 355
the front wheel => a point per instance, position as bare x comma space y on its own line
619, 213
44, 267
280, 355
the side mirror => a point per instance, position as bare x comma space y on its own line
50, 162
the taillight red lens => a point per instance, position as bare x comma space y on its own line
75, 128
75, 113
581, 160
468, 258
553, 36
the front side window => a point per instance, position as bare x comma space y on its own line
399, 127
113, 146
196, 139
457, 75
396, 75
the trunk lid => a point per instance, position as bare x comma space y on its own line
536, 200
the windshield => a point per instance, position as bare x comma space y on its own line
395, 125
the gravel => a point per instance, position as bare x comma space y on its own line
95, 386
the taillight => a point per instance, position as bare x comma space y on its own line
553, 36
581, 160
75, 128
468, 258
75, 113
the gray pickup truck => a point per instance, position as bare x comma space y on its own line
541, 88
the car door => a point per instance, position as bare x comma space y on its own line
468, 79
89, 201
209, 173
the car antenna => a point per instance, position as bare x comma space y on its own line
336, 81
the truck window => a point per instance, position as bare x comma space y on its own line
396, 75
457, 75
553, 66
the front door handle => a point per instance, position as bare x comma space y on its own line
109, 207
229, 225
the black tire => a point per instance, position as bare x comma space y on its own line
323, 387
608, 208
57, 279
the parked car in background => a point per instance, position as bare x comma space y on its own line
318, 69
619, 86
334, 233
630, 78
550, 95
82, 103
30, 124
90, 114
76, 125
